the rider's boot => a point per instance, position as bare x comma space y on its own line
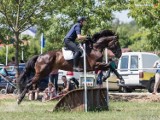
76, 62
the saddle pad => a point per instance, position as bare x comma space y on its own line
68, 54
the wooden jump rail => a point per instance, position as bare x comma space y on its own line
74, 100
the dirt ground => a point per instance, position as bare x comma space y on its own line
113, 97
135, 97
7, 96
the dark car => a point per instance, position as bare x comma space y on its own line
11, 72
7, 77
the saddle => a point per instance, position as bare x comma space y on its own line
68, 54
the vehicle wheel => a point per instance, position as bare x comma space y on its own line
3, 91
125, 90
151, 85
10, 89
15, 91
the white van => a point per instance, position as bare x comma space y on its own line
132, 66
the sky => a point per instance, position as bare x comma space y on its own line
122, 16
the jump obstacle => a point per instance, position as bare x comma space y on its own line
74, 100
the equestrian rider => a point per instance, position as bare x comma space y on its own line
69, 40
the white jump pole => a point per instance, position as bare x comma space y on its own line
107, 90
85, 79
22, 53
7, 52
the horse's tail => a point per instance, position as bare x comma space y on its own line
28, 72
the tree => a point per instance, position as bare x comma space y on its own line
146, 13
19, 15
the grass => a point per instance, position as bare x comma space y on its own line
36, 110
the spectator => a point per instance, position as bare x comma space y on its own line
157, 76
54, 79
22, 61
49, 92
33, 92
99, 78
13, 62
67, 85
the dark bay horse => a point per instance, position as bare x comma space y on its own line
42, 65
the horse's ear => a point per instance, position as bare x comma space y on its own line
95, 37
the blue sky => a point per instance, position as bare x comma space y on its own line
122, 16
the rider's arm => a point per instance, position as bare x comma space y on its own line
78, 32
81, 37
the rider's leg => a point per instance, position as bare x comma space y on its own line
76, 60
72, 46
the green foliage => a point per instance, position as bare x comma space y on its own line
19, 15
146, 13
125, 31
3, 54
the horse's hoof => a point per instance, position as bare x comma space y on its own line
122, 82
18, 101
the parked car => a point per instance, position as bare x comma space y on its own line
8, 85
11, 74
132, 66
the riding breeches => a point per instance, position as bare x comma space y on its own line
77, 51
72, 45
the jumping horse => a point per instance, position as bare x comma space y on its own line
42, 65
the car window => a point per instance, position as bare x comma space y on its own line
124, 63
134, 63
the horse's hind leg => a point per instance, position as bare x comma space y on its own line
28, 86
22, 95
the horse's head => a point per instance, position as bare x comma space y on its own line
107, 39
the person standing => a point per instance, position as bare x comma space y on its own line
33, 93
54, 79
13, 62
99, 78
157, 76
69, 41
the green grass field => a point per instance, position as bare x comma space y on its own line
36, 110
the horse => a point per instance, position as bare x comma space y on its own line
43, 65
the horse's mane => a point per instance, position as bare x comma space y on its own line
103, 33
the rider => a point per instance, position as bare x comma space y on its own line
69, 40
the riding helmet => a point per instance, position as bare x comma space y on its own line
81, 18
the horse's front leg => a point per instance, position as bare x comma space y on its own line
102, 66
